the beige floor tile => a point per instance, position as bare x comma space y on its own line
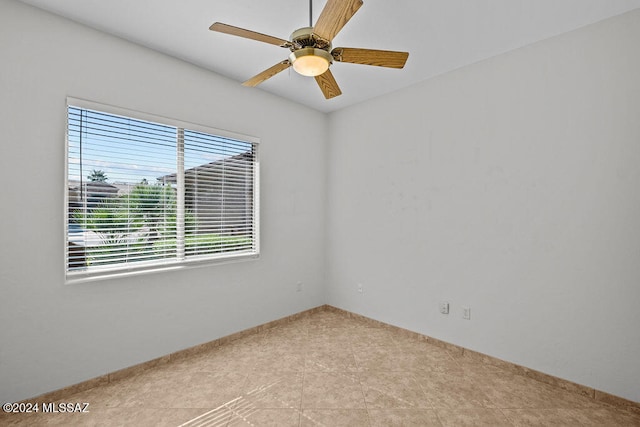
611, 416
452, 390
412, 361
285, 341
330, 370
330, 360
456, 396
265, 418
540, 417
329, 340
126, 417
218, 417
327, 320
423, 348
568, 399
572, 417
369, 337
331, 390
104, 397
518, 392
290, 330
249, 341
197, 390
403, 418
472, 417
235, 358
281, 360
482, 372
377, 358
393, 390
269, 390
334, 418
443, 366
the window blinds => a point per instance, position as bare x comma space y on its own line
142, 193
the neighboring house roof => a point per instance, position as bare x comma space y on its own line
212, 167
118, 188
92, 190
124, 187
100, 189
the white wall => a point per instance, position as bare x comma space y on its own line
510, 186
53, 335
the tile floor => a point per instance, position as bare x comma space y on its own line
330, 370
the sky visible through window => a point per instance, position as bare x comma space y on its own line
130, 151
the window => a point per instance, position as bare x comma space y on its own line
145, 192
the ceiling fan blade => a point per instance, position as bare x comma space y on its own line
334, 16
328, 85
379, 58
267, 74
247, 34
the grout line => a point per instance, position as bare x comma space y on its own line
435, 411
505, 416
359, 370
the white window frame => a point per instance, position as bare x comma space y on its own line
109, 272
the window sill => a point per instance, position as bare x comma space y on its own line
79, 277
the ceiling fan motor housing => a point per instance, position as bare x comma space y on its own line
304, 37
309, 54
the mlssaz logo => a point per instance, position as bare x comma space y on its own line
65, 407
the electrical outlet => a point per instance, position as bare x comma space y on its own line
444, 307
466, 313
360, 287
299, 287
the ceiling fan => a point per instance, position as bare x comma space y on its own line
311, 50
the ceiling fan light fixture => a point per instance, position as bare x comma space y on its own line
310, 61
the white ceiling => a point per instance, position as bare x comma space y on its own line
441, 35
